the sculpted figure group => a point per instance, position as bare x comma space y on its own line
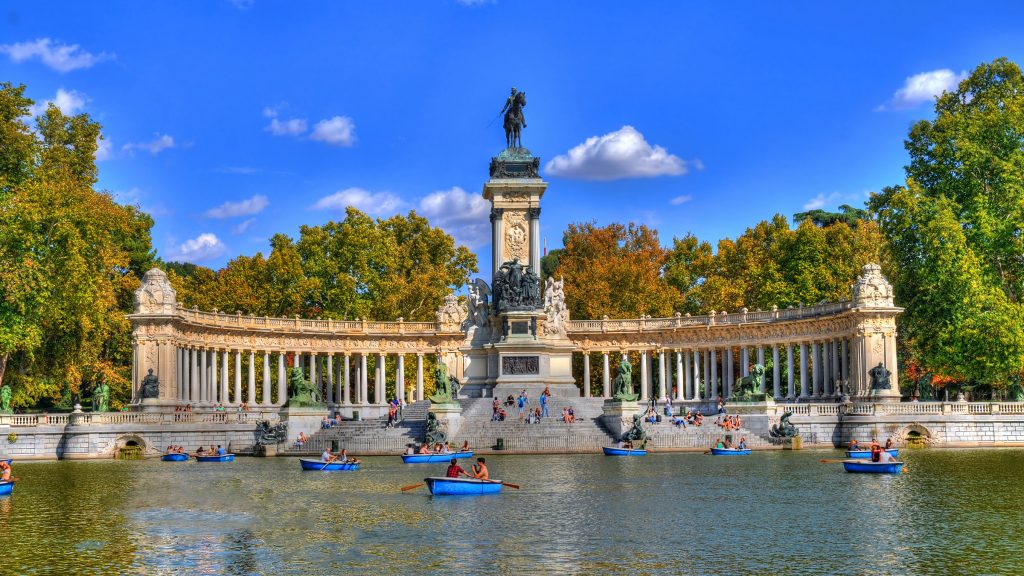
516, 287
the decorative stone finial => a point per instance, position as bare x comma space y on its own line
451, 313
155, 295
872, 289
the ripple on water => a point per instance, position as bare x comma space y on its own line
955, 511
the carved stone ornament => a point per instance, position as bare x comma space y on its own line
452, 313
155, 295
515, 163
520, 365
517, 235
554, 307
872, 289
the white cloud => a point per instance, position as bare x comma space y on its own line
822, 200
337, 131
242, 226
60, 57
104, 149
463, 215
620, 154
924, 87
246, 207
290, 127
157, 145
681, 199
69, 102
375, 203
202, 247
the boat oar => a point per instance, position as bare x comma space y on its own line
411, 486
828, 461
326, 464
516, 486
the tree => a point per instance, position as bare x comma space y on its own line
955, 231
614, 270
68, 256
847, 214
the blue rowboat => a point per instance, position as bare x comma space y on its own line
730, 452
624, 451
867, 453
454, 486
8, 460
331, 467
224, 458
6, 488
174, 457
869, 467
434, 458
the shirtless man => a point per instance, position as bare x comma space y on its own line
480, 470
5, 471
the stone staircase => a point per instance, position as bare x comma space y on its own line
551, 434
665, 435
368, 436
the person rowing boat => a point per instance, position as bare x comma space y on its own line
480, 471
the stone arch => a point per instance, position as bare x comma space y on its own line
915, 433
130, 440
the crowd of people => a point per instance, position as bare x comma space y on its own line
436, 448
729, 423
341, 458
878, 452
726, 444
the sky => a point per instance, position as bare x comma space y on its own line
230, 121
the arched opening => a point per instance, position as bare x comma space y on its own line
129, 448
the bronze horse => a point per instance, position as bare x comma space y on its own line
514, 121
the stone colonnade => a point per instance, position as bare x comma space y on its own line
812, 370
211, 376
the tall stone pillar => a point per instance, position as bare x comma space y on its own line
379, 382
714, 375
790, 374
400, 379
844, 363
744, 361
224, 377
282, 381
586, 374
815, 370
346, 382
214, 377
419, 376
776, 374
606, 383
835, 367
364, 387
873, 344
760, 357
250, 397
238, 377
204, 377
314, 376
180, 374
266, 379
730, 374
682, 376
534, 214
645, 382
662, 379
804, 393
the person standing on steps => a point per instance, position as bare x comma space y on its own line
544, 403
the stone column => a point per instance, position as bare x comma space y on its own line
644, 382
714, 375
606, 383
282, 380
400, 378
815, 369
760, 357
204, 377
238, 377
835, 367
379, 382
730, 378
314, 379
803, 370
497, 238
224, 378
682, 380
179, 373
364, 386
346, 381
844, 363
790, 373
663, 381
266, 379
586, 374
250, 397
215, 396
696, 375
330, 379
776, 374
744, 361
419, 376
534, 214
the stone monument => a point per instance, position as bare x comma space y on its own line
155, 314
875, 344
511, 346
622, 406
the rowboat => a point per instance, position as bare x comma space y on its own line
8, 460
434, 458
174, 457
440, 486
867, 453
308, 464
608, 451
224, 458
6, 488
869, 467
730, 451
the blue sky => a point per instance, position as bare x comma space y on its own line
232, 121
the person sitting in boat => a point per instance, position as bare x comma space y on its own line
743, 443
454, 470
885, 457
465, 446
170, 450
876, 453
201, 451
327, 457
874, 443
424, 449
888, 443
480, 470
221, 451
720, 445
344, 458
854, 445
446, 449
5, 471
409, 450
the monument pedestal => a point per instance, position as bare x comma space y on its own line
305, 419
449, 414
794, 443
618, 415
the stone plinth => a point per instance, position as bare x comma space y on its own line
306, 419
449, 414
618, 415
794, 443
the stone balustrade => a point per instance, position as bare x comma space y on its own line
105, 418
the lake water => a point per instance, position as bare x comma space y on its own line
954, 512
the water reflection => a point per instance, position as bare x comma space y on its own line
770, 512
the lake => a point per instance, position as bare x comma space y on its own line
953, 512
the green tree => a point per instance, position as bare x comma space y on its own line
955, 231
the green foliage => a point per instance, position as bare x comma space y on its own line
955, 232
847, 214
